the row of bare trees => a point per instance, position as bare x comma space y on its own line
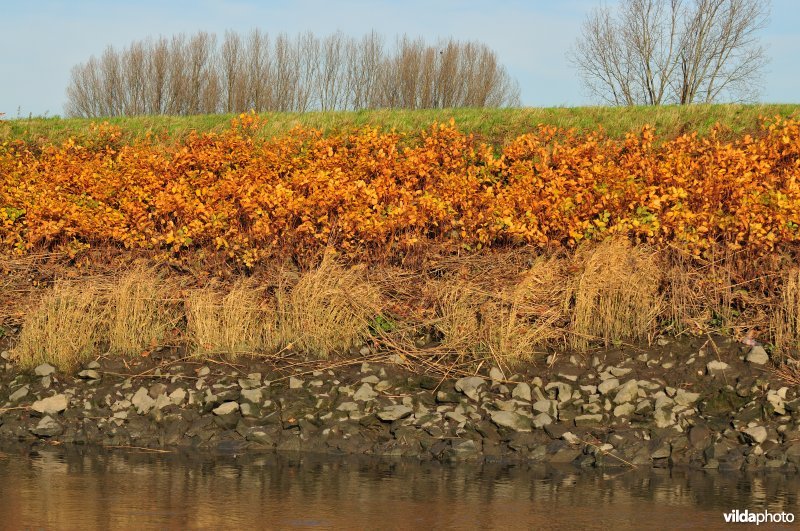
652, 52
200, 74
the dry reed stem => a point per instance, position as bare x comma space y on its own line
788, 371
617, 293
786, 317
141, 311
230, 324
65, 328
329, 309
505, 312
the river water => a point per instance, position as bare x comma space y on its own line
74, 488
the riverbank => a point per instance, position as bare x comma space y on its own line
706, 403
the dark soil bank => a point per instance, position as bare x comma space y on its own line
696, 403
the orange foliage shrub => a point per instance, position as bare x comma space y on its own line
380, 194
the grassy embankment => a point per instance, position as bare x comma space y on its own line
495, 126
437, 247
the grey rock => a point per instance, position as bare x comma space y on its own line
465, 448
265, 436
93, 365
555, 431
470, 386
522, 392
619, 372
142, 402
624, 410
546, 406
157, 389
249, 383
45, 369
644, 406
588, 420
496, 374
699, 436
607, 386
48, 427
571, 438
226, 408
396, 412
716, 368
447, 397
455, 416
89, 374
793, 453
249, 410
295, 383
162, 401
511, 420
541, 420
365, 393
664, 417
570, 373
347, 406
565, 454
51, 405
253, 396
19, 394
563, 390
757, 356
663, 401
778, 404
756, 434
685, 398
177, 396
661, 451
627, 392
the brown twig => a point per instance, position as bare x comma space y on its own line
140, 448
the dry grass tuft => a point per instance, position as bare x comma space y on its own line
65, 328
786, 317
140, 311
460, 307
231, 324
329, 309
509, 323
529, 315
788, 371
616, 294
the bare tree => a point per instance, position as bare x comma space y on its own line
259, 89
654, 52
192, 74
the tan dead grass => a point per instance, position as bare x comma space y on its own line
328, 309
529, 315
508, 322
786, 316
232, 323
142, 311
617, 295
64, 329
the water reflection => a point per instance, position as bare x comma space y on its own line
72, 487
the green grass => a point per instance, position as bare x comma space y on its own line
495, 126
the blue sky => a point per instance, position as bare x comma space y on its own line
40, 41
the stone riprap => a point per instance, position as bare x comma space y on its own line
720, 409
